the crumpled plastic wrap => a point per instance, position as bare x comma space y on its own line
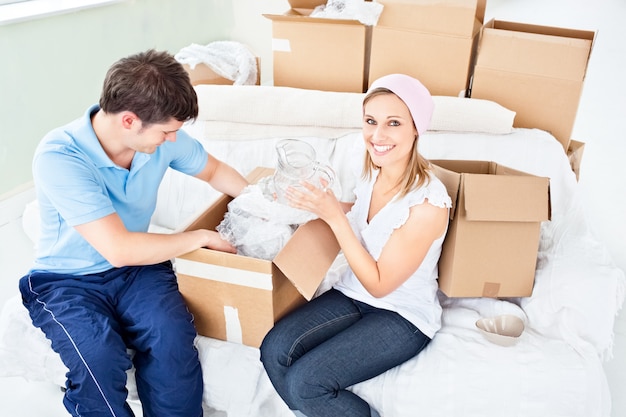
231, 60
366, 12
257, 225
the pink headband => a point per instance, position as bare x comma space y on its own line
413, 93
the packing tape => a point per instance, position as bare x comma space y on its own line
281, 45
491, 289
225, 274
233, 325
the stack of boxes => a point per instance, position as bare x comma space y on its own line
536, 71
431, 40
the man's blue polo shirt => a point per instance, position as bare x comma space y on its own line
77, 183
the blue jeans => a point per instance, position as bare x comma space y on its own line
93, 319
313, 354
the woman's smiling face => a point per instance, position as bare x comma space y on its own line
388, 130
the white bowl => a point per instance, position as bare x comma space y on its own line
503, 330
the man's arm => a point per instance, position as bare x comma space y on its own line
222, 177
120, 247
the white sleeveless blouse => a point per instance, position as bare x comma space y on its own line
416, 299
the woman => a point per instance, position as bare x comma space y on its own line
384, 309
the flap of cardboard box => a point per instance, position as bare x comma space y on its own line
307, 256
301, 10
505, 198
531, 49
309, 4
449, 172
452, 17
303, 16
459, 166
305, 4
494, 192
452, 182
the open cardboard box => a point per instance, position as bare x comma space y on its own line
319, 53
239, 298
493, 237
204, 74
441, 35
536, 71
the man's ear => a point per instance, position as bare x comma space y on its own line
128, 119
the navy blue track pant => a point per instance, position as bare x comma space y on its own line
93, 319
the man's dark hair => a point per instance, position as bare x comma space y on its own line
151, 84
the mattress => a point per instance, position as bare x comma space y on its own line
554, 369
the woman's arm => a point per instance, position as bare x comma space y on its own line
403, 253
408, 245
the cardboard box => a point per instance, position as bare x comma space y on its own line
434, 41
493, 237
536, 71
319, 53
442, 63
575, 155
449, 17
203, 74
239, 298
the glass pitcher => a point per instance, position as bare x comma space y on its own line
297, 162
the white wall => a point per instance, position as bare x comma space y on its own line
52, 68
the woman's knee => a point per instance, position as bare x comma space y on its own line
272, 350
306, 384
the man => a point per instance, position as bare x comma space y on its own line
101, 284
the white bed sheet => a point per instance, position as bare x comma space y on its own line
554, 370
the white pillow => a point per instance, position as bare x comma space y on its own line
261, 112
281, 106
456, 114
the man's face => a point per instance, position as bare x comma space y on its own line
148, 137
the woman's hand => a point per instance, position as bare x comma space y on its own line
319, 201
